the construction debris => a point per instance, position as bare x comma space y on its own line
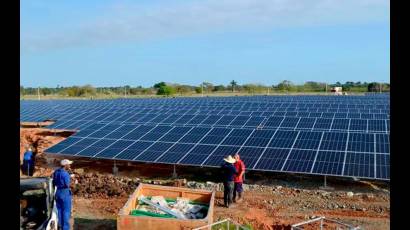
181, 208
160, 203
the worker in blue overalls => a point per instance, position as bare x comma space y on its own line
61, 180
28, 162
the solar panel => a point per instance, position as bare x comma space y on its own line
333, 141
260, 138
215, 158
308, 140
361, 142
325, 135
299, 160
272, 159
175, 153
359, 165
329, 163
283, 139
383, 166
197, 155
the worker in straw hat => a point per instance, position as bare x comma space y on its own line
62, 180
228, 175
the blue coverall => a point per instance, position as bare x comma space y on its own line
61, 179
28, 163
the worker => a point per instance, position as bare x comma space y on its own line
239, 177
61, 180
228, 175
28, 162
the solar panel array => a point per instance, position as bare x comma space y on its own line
325, 135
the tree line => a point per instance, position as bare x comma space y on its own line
169, 89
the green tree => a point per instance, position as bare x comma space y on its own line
87, 90
45, 91
198, 89
208, 87
219, 88
146, 91
183, 89
378, 87
286, 86
314, 86
233, 84
158, 85
166, 90
254, 88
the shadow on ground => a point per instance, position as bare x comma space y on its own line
94, 224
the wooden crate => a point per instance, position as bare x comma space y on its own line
127, 222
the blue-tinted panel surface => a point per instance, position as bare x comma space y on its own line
215, 136
290, 122
308, 140
198, 154
195, 135
237, 137
274, 122
323, 123
306, 123
175, 153
239, 121
260, 138
383, 166
283, 139
334, 141
359, 165
217, 156
358, 125
153, 152
329, 163
140, 145
361, 142
340, 124
272, 159
254, 121
117, 123
129, 154
300, 161
377, 126
250, 155
382, 143
62, 145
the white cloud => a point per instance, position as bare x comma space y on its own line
139, 23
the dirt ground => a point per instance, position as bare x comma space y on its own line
271, 202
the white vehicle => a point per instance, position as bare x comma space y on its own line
38, 209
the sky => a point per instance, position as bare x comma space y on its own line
116, 43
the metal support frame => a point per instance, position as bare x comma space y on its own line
115, 169
174, 173
222, 222
325, 186
322, 219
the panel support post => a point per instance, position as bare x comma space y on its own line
325, 187
115, 169
174, 173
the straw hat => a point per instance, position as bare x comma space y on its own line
229, 159
66, 162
